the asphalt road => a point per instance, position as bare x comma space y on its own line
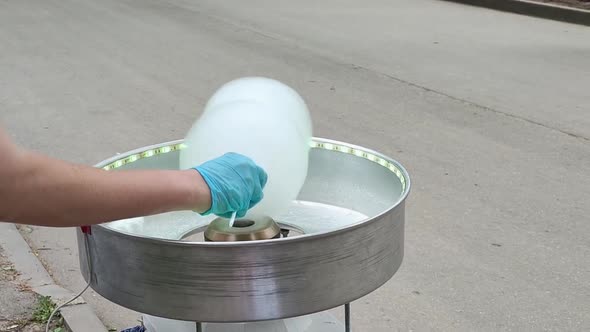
490, 113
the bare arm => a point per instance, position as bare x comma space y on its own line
38, 190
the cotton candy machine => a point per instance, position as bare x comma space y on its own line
340, 240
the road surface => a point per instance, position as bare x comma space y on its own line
490, 113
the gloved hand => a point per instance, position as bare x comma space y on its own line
236, 184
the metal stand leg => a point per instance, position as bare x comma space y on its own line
347, 317
199, 327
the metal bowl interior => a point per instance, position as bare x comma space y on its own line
349, 221
346, 185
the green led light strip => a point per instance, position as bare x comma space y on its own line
363, 154
315, 145
145, 154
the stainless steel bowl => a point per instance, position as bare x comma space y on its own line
351, 214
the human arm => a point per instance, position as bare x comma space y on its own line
36, 189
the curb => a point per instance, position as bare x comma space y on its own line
78, 316
535, 9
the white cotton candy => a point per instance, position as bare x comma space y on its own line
281, 99
250, 117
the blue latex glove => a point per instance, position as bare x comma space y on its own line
236, 184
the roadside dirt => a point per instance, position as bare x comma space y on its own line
17, 301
